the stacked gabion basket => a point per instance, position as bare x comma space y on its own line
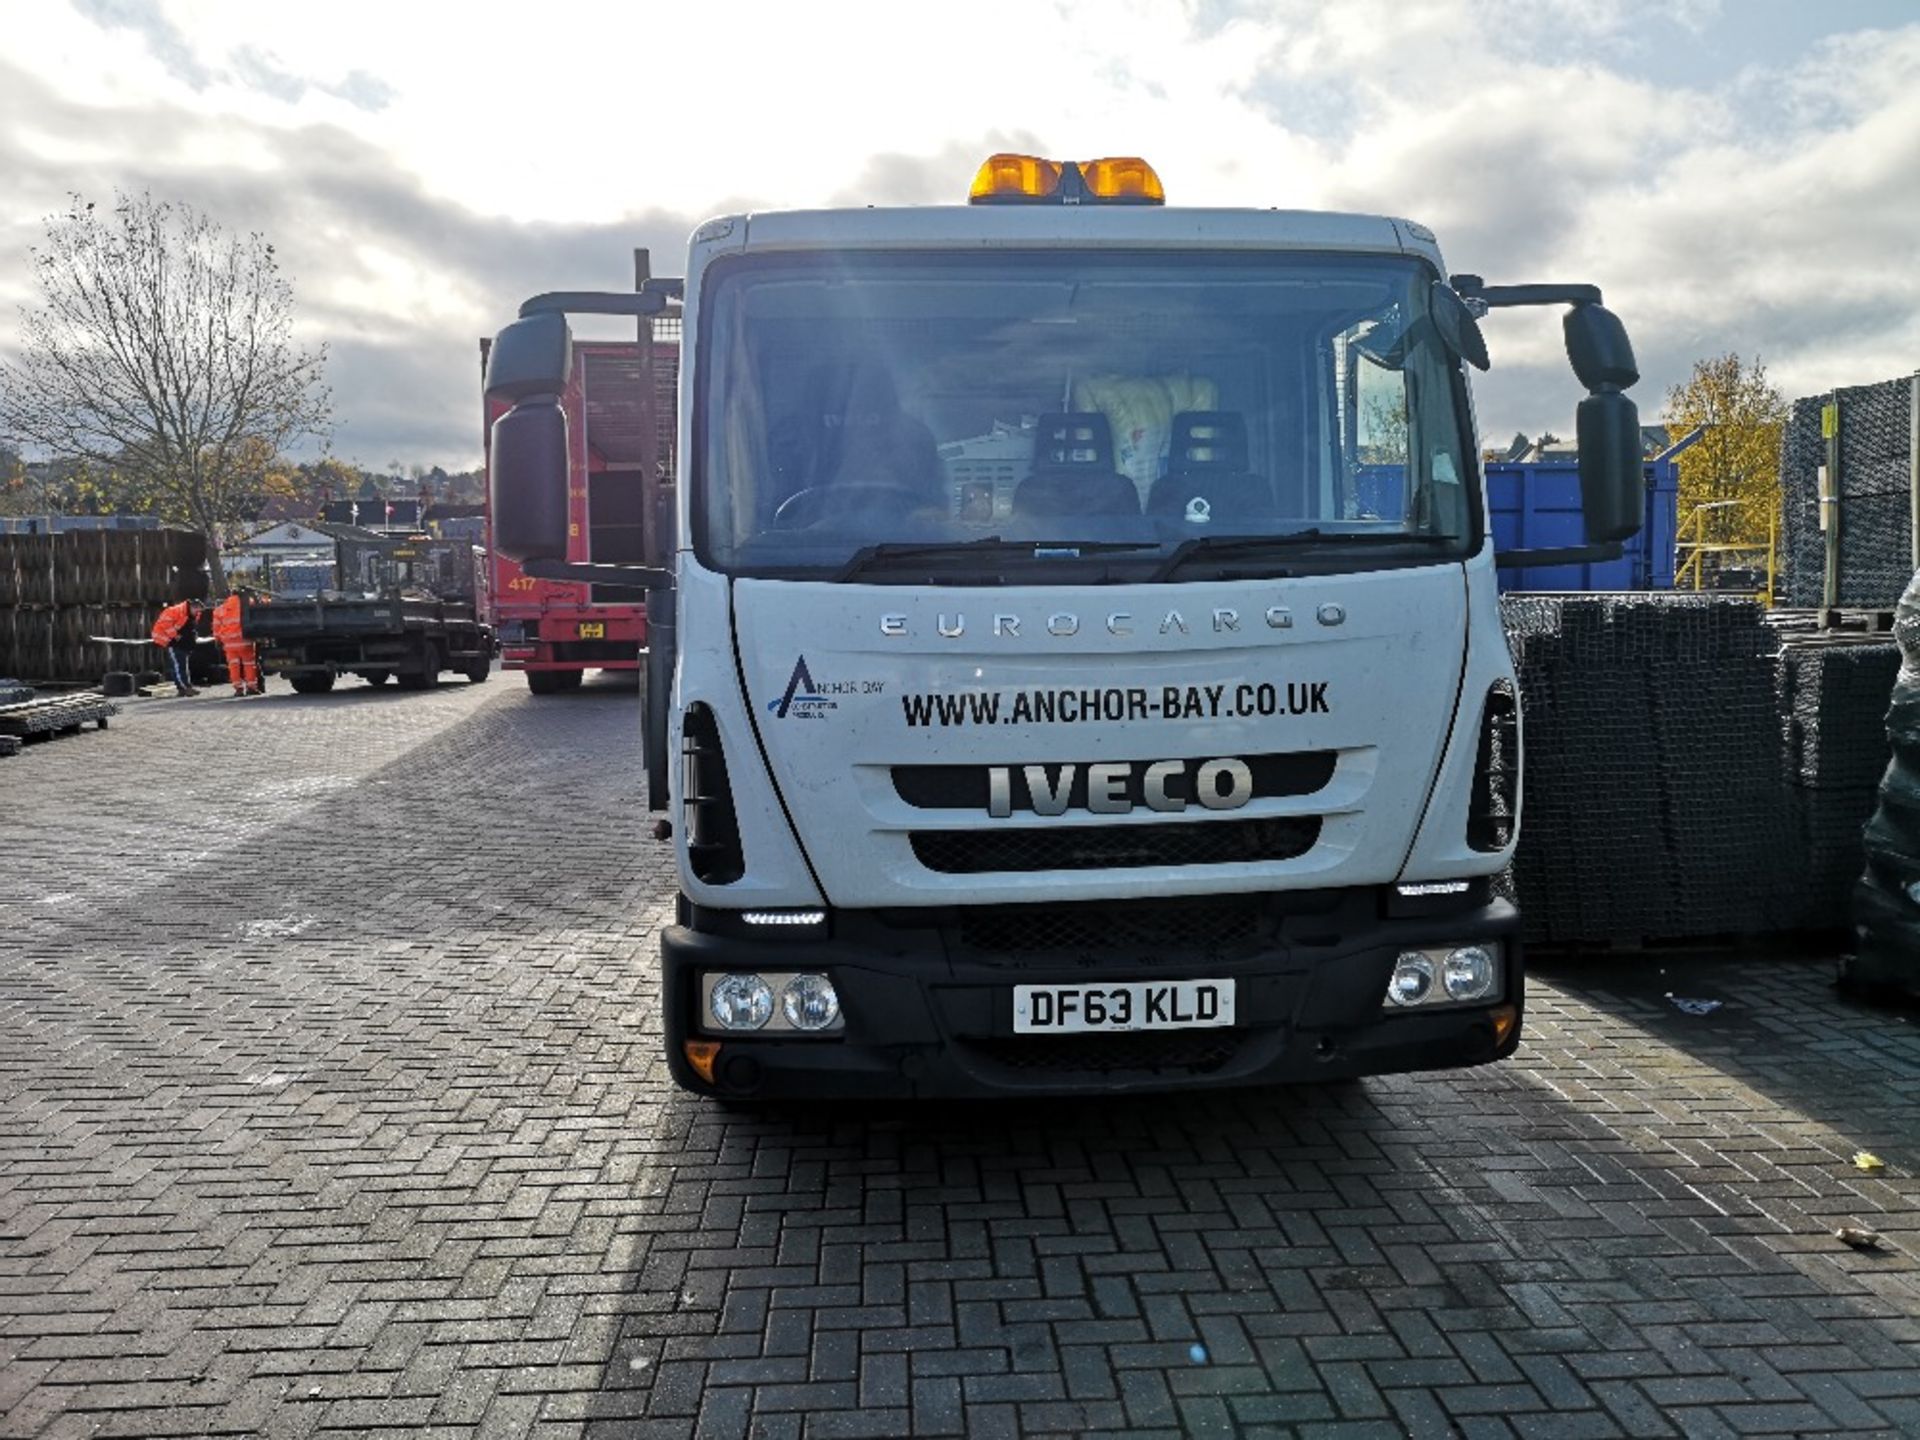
1686, 774
60, 591
1876, 440
1833, 701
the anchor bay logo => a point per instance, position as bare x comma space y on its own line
803, 699
808, 699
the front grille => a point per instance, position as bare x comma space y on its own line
964, 787
1115, 847
1161, 926
1149, 1053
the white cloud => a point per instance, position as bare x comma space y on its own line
421, 165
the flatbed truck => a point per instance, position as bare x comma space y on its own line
411, 639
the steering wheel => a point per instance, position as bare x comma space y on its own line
819, 502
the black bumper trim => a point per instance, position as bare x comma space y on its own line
926, 1016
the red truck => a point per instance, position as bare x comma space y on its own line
621, 429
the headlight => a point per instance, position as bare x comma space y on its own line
775, 1004
1412, 979
1468, 973
741, 1002
1436, 976
810, 1002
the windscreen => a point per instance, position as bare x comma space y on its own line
940, 416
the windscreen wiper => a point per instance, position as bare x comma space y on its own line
1205, 546
870, 555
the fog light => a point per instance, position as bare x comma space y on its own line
1412, 979
1468, 974
810, 1002
741, 1002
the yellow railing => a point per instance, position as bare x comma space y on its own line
1693, 548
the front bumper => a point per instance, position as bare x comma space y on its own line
574, 639
928, 1012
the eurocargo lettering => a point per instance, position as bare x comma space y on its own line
1074, 661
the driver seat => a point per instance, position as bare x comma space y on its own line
1073, 470
860, 437
894, 450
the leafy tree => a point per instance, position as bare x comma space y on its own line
467, 487
327, 479
68, 487
163, 347
1735, 465
1383, 428
15, 492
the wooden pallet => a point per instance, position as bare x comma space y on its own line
1877, 622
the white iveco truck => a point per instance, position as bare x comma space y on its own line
1076, 662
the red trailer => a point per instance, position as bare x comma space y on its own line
620, 422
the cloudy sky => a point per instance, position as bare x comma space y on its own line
1736, 174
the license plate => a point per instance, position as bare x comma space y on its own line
593, 629
1128, 1005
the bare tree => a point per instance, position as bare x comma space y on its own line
163, 347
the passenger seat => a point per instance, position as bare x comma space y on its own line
1207, 477
1073, 470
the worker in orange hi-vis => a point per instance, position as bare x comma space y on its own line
249, 651
173, 632
226, 634
243, 658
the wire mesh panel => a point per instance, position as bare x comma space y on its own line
1875, 433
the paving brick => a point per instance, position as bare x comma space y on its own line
332, 1103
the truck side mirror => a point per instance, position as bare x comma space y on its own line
1613, 482
1598, 349
529, 363
1607, 425
527, 480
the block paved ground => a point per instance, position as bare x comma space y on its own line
331, 1103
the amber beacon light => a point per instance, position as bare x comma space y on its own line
1030, 180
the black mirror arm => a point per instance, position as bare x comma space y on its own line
651, 299
643, 577
1498, 297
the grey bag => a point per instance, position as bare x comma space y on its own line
1886, 901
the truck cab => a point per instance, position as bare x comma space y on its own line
1085, 667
